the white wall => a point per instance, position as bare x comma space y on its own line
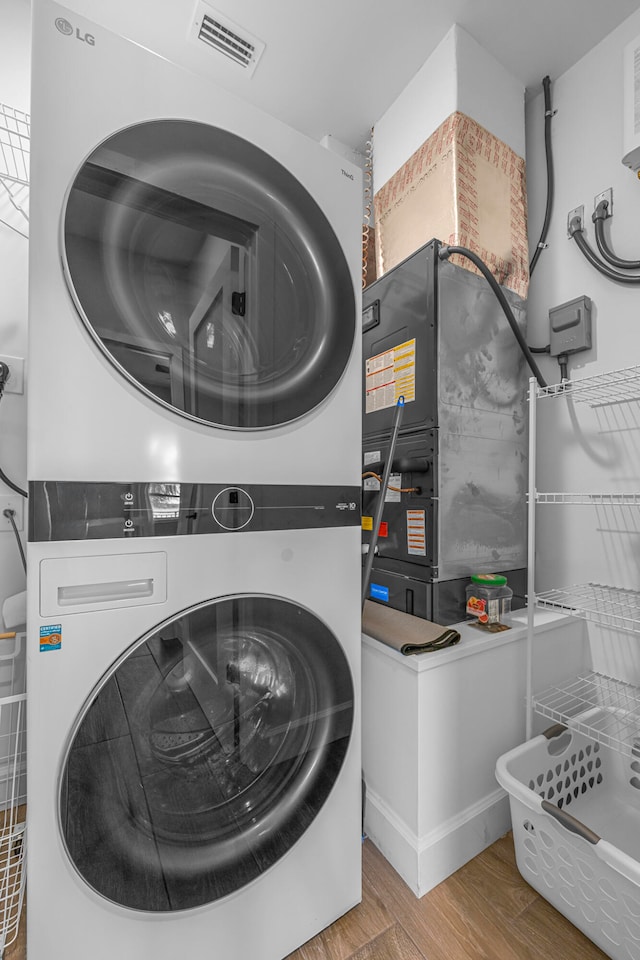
14, 91
459, 75
581, 449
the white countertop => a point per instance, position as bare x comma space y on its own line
472, 640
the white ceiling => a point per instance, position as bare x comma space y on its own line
335, 66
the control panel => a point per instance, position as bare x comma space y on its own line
69, 510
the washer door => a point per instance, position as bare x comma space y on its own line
205, 753
208, 275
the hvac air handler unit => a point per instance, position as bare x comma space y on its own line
434, 333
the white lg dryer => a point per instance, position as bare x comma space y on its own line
194, 734
195, 276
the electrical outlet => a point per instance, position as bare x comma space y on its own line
605, 195
570, 325
15, 383
576, 212
11, 503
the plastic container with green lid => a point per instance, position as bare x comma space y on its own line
489, 598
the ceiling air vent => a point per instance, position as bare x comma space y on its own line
229, 39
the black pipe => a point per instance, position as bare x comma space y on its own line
599, 216
576, 233
10, 483
10, 515
445, 252
563, 361
548, 114
4, 376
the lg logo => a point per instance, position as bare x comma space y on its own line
64, 26
67, 29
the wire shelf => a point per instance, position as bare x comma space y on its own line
615, 386
15, 140
13, 786
604, 709
599, 499
13, 755
608, 606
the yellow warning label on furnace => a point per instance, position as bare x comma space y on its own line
367, 523
390, 375
416, 533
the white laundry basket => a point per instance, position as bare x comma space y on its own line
575, 810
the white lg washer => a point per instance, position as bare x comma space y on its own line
193, 751
195, 276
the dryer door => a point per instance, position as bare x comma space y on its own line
205, 753
208, 275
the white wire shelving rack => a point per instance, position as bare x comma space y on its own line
596, 499
15, 141
616, 386
603, 708
598, 602
13, 786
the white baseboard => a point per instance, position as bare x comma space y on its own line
423, 862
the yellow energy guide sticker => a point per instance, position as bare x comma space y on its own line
389, 376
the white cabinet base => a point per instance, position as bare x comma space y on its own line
425, 862
433, 726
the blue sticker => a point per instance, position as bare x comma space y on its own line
50, 637
378, 592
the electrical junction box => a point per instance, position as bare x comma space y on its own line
570, 326
631, 108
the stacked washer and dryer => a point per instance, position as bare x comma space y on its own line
194, 543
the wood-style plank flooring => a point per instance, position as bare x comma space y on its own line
485, 911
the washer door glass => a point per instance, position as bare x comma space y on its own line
208, 275
205, 753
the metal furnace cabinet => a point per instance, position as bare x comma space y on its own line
435, 333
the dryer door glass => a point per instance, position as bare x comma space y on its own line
208, 275
205, 753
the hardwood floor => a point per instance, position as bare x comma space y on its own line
485, 911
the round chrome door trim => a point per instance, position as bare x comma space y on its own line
316, 374
297, 704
